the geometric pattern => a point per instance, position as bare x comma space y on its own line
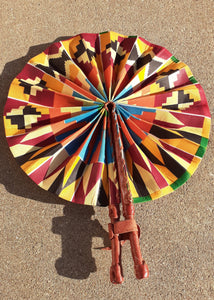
58, 128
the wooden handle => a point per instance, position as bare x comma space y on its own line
141, 268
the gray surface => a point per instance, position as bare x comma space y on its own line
40, 234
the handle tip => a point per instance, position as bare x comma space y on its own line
142, 270
116, 274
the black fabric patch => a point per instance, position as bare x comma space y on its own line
81, 49
162, 133
19, 119
58, 63
133, 54
27, 86
49, 70
150, 156
56, 186
102, 199
24, 158
118, 59
164, 81
49, 152
154, 65
182, 98
171, 164
191, 136
142, 61
112, 45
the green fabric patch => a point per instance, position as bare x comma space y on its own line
192, 79
142, 199
204, 142
200, 152
174, 59
202, 148
180, 180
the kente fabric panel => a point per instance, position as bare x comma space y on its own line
58, 127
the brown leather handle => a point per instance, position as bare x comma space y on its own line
116, 275
116, 268
126, 229
140, 267
121, 231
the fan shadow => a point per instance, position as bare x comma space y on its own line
77, 228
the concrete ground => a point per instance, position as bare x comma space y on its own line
50, 249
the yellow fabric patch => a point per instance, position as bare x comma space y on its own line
194, 164
12, 129
91, 197
148, 179
16, 91
69, 168
32, 165
206, 127
68, 192
37, 132
46, 183
19, 149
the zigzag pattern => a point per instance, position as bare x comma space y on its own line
58, 127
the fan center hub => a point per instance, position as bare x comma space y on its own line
109, 106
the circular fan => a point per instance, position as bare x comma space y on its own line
96, 106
